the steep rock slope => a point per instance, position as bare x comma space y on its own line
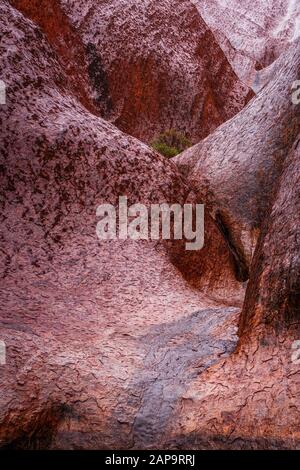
272, 299
150, 65
67, 44
251, 33
92, 328
251, 400
234, 169
118, 344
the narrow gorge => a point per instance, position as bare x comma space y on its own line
136, 343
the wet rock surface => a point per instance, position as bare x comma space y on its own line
252, 34
251, 399
235, 169
75, 311
134, 344
145, 66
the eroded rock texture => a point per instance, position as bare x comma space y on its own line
252, 33
273, 293
151, 66
235, 168
133, 344
251, 400
89, 329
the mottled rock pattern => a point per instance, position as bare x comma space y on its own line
66, 44
252, 33
235, 168
90, 326
134, 344
272, 299
251, 400
145, 66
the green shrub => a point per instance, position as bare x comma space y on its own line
171, 143
165, 150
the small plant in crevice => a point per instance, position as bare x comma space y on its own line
170, 143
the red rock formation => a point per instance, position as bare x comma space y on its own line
100, 335
151, 65
252, 33
66, 43
125, 344
272, 300
234, 169
251, 400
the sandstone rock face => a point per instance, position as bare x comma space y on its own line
252, 33
134, 344
234, 169
272, 299
152, 66
102, 336
65, 42
251, 400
